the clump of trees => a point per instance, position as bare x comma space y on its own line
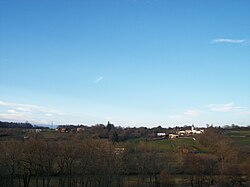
221, 164
116, 133
92, 163
89, 162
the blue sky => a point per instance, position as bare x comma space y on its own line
132, 62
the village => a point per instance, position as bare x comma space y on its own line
151, 134
181, 133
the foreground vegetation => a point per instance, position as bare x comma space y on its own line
215, 158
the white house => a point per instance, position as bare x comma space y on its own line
161, 134
193, 131
171, 136
181, 133
79, 129
190, 131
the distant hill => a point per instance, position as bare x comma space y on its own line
25, 125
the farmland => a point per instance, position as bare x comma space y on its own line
241, 138
107, 155
171, 145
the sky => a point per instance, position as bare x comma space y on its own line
130, 62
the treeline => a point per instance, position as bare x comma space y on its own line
25, 125
114, 133
89, 162
118, 133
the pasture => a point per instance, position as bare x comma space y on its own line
241, 138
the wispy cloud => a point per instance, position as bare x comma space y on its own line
98, 79
12, 111
23, 112
227, 107
29, 108
228, 40
191, 113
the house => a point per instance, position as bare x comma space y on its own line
199, 131
79, 129
26, 138
161, 134
62, 130
172, 136
192, 131
181, 133
32, 130
38, 130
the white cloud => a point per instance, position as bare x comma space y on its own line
26, 112
29, 108
99, 79
191, 113
227, 40
16, 116
227, 107
9, 104
12, 111
26, 109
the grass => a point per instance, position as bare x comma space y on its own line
161, 145
241, 138
237, 133
187, 143
171, 145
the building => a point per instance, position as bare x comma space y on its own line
172, 136
191, 131
160, 134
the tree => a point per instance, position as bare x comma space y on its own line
114, 137
110, 126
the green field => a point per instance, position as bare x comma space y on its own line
238, 133
241, 138
172, 145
